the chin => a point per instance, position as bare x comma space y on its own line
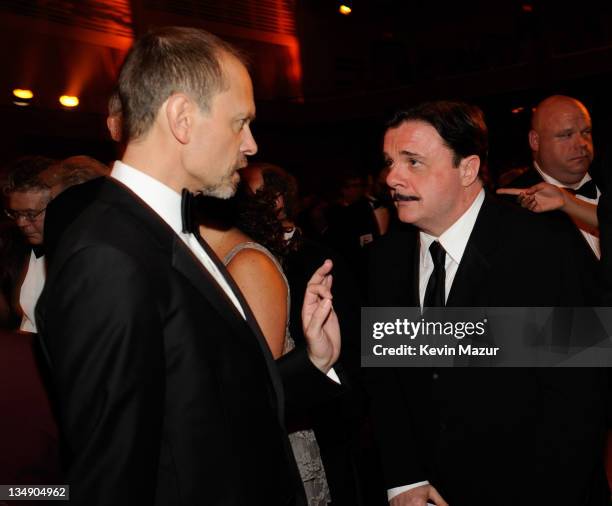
406, 217
220, 192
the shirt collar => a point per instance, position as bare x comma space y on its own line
553, 181
159, 197
455, 238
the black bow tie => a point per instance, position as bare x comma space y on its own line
38, 250
187, 204
588, 190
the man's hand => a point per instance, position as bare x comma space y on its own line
538, 198
418, 496
319, 319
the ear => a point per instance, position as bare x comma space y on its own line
113, 124
534, 140
469, 169
180, 110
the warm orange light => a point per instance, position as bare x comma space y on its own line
518, 110
23, 94
69, 101
527, 8
345, 9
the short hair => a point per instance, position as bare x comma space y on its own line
24, 174
74, 170
114, 104
165, 61
461, 126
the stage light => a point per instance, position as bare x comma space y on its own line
69, 101
22, 97
518, 110
23, 94
527, 7
345, 10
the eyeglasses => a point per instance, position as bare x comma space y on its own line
26, 215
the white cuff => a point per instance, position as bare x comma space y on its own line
392, 492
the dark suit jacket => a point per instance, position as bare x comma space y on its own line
165, 394
492, 436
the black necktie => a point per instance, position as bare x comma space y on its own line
187, 211
588, 190
434, 294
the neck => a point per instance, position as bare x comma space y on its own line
462, 207
153, 156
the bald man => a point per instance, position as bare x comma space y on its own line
562, 148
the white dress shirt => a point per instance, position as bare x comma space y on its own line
166, 203
30, 291
593, 241
454, 241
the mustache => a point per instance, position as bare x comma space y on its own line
398, 197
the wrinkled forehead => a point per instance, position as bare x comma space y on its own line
29, 200
414, 136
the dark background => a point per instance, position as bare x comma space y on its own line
324, 82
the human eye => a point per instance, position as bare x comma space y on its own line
414, 162
587, 132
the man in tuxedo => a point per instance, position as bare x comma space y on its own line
166, 391
562, 148
27, 194
477, 436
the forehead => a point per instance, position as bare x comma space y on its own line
27, 200
416, 137
566, 115
238, 98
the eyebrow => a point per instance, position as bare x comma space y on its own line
405, 152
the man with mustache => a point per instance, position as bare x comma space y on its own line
477, 436
166, 390
562, 146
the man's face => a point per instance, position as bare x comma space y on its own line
562, 143
222, 137
425, 186
29, 203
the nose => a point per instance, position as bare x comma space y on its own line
249, 146
22, 221
392, 178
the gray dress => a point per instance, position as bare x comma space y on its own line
303, 442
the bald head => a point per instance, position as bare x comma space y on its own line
560, 138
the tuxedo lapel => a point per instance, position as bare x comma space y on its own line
252, 322
475, 267
191, 268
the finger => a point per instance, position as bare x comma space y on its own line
321, 272
510, 191
436, 497
320, 291
540, 186
318, 318
328, 281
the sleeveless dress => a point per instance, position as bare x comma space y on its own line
303, 442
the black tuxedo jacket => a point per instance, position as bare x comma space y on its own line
492, 436
165, 394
